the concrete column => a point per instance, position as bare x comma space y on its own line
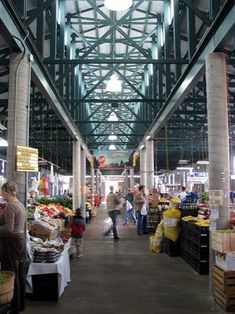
218, 136
83, 182
142, 167
126, 185
97, 181
132, 181
92, 185
18, 117
149, 164
76, 174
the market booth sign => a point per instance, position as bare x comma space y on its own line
26, 159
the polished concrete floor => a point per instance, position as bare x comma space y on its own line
126, 278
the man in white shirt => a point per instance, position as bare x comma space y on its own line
182, 194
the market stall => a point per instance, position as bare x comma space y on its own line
47, 281
49, 243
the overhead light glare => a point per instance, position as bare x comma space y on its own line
148, 137
118, 5
141, 147
113, 117
112, 137
2, 127
112, 147
114, 85
3, 143
203, 162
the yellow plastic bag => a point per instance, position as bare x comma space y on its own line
155, 244
171, 219
159, 230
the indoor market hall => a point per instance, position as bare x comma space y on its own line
126, 277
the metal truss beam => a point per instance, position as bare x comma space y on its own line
115, 61
12, 25
223, 25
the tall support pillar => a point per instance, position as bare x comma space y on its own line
83, 182
143, 167
218, 136
149, 164
97, 181
125, 181
18, 117
132, 181
76, 174
92, 184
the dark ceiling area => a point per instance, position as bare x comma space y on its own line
156, 48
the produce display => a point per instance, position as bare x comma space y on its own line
45, 252
197, 220
54, 210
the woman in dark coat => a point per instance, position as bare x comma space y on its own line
13, 242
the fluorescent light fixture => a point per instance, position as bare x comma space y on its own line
141, 147
3, 143
161, 37
118, 5
112, 137
112, 147
114, 85
150, 68
203, 162
113, 117
148, 137
171, 12
185, 168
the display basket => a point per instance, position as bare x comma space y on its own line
6, 286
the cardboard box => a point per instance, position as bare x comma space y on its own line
226, 261
223, 241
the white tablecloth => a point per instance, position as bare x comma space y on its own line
61, 267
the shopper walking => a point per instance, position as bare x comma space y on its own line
113, 209
182, 195
13, 241
77, 228
141, 206
130, 209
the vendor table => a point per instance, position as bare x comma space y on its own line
47, 281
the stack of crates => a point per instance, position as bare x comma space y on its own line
224, 288
194, 246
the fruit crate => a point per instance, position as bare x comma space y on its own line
224, 288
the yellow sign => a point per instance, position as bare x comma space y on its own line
26, 159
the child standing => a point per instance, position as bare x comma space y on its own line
77, 228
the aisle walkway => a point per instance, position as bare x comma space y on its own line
125, 278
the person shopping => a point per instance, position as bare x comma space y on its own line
141, 205
13, 242
77, 228
113, 203
130, 209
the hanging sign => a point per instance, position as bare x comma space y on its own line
26, 159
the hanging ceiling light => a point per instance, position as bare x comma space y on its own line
118, 5
113, 117
114, 84
112, 147
112, 137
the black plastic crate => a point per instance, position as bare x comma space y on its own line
45, 287
5, 308
189, 212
